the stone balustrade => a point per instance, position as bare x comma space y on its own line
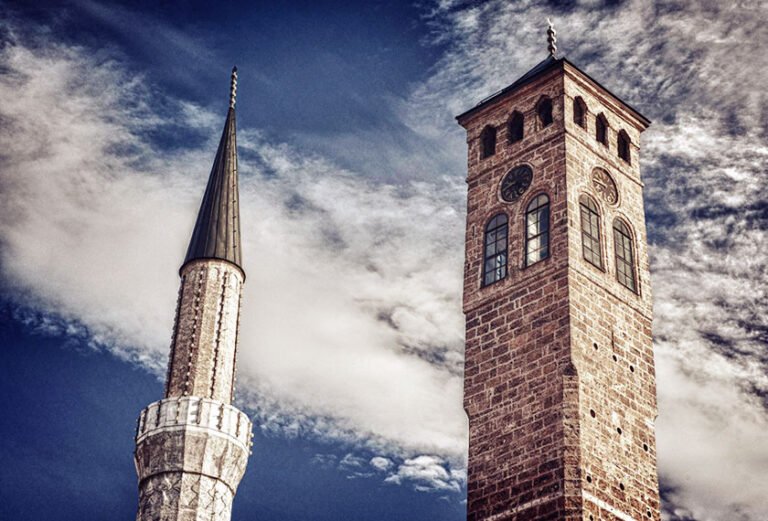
193, 413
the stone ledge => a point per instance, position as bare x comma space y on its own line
194, 413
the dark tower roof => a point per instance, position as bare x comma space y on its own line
542, 67
217, 230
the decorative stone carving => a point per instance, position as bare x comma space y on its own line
605, 186
191, 454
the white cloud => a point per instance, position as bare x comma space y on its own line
381, 463
351, 320
350, 461
326, 461
428, 474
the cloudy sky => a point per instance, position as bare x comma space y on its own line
352, 190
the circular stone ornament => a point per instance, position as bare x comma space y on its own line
605, 186
516, 182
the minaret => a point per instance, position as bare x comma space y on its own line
559, 382
193, 445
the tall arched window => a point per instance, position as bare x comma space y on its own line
544, 111
625, 255
580, 112
488, 142
537, 230
590, 231
601, 129
495, 249
622, 144
515, 130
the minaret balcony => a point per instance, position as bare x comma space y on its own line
191, 412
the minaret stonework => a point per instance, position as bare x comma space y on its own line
559, 381
193, 445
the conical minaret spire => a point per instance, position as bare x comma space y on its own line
217, 230
192, 446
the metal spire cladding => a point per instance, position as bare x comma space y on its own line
217, 230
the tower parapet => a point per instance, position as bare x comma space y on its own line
192, 446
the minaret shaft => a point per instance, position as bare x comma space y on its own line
204, 344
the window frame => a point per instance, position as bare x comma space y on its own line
586, 236
513, 118
578, 102
528, 237
624, 146
601, 123
542, 101
487, 230
620, 260
487, 133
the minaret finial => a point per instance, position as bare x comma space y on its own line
551, 39
233, 88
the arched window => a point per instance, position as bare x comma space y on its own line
544, 111
515, 129
495, 249
580, 112
622, 144
601, 129
625, 255
590, 231
488, 142
537, 230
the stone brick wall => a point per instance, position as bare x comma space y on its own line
532, 374
611, 325
517, 330
204, 344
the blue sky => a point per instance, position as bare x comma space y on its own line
352, 201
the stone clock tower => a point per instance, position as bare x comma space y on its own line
192, 446
559, 381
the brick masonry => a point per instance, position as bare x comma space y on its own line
559, 376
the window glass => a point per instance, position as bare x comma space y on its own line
537, 230
495, 249
590, 231
625, 256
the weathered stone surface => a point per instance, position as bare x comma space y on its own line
192, 447
177, 496
184, 445
204, 344
533, 375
